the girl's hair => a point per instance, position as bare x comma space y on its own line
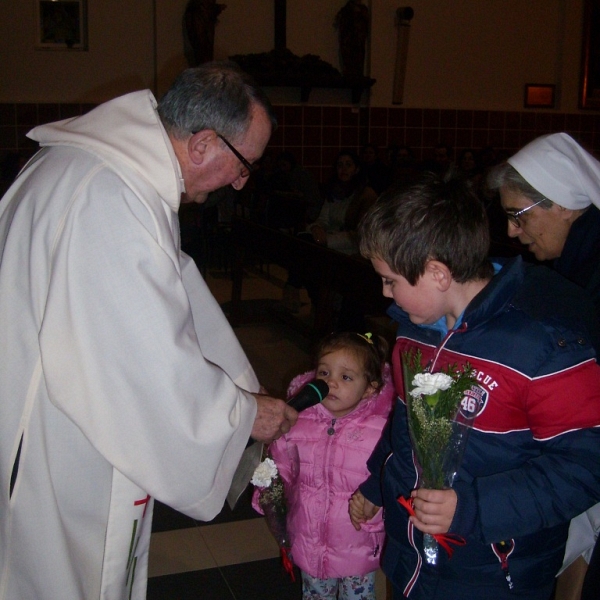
371, 350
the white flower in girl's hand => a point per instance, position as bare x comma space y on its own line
430, 383
270, 493
264, 473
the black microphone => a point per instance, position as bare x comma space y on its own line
312, 393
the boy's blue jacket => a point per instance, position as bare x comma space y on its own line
532, 461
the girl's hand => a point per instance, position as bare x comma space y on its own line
360, 509
434, 510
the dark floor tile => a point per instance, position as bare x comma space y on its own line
243, 510
167, 519
258, 580
208, 584
262, 580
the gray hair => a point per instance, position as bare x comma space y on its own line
215, 95
506, 176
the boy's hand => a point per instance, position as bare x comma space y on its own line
434, 510
360, 509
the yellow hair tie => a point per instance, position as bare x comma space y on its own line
367, 337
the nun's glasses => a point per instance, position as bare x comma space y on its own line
513, 217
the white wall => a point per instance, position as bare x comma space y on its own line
465, 54
120, 55
470, 53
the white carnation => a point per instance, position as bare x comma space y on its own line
264, 473
430, 383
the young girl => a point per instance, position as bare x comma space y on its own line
323, 459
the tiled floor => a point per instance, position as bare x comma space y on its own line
234, 557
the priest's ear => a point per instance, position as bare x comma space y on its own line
198, 145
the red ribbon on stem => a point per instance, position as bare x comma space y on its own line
443, 539
287, 563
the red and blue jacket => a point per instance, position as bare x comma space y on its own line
532, 460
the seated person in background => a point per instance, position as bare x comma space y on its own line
550, 192
469, 169
347, 199
205, 228
402, 164
293, 194
488, 157
441, 163
376, 173
467, 166
255, 195
532, 457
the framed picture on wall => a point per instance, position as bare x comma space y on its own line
62, 24
590, 56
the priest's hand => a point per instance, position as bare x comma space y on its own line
273, 418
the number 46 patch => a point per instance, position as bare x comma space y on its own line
473, 402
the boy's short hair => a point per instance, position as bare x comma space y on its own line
431, 219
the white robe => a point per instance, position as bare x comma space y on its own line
118, 370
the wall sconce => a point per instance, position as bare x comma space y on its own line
539, 95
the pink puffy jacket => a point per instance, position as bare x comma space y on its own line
322, 461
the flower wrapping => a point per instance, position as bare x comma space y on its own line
273, 503
441, 408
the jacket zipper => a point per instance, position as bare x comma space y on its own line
331, 429
438, 350
324, 535
503, 550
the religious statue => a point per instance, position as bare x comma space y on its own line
352, 22
199, 20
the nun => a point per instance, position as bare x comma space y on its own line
550, 193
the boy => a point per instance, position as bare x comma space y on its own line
532, 458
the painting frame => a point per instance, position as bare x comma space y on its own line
589, 97
540, 95
61, 25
